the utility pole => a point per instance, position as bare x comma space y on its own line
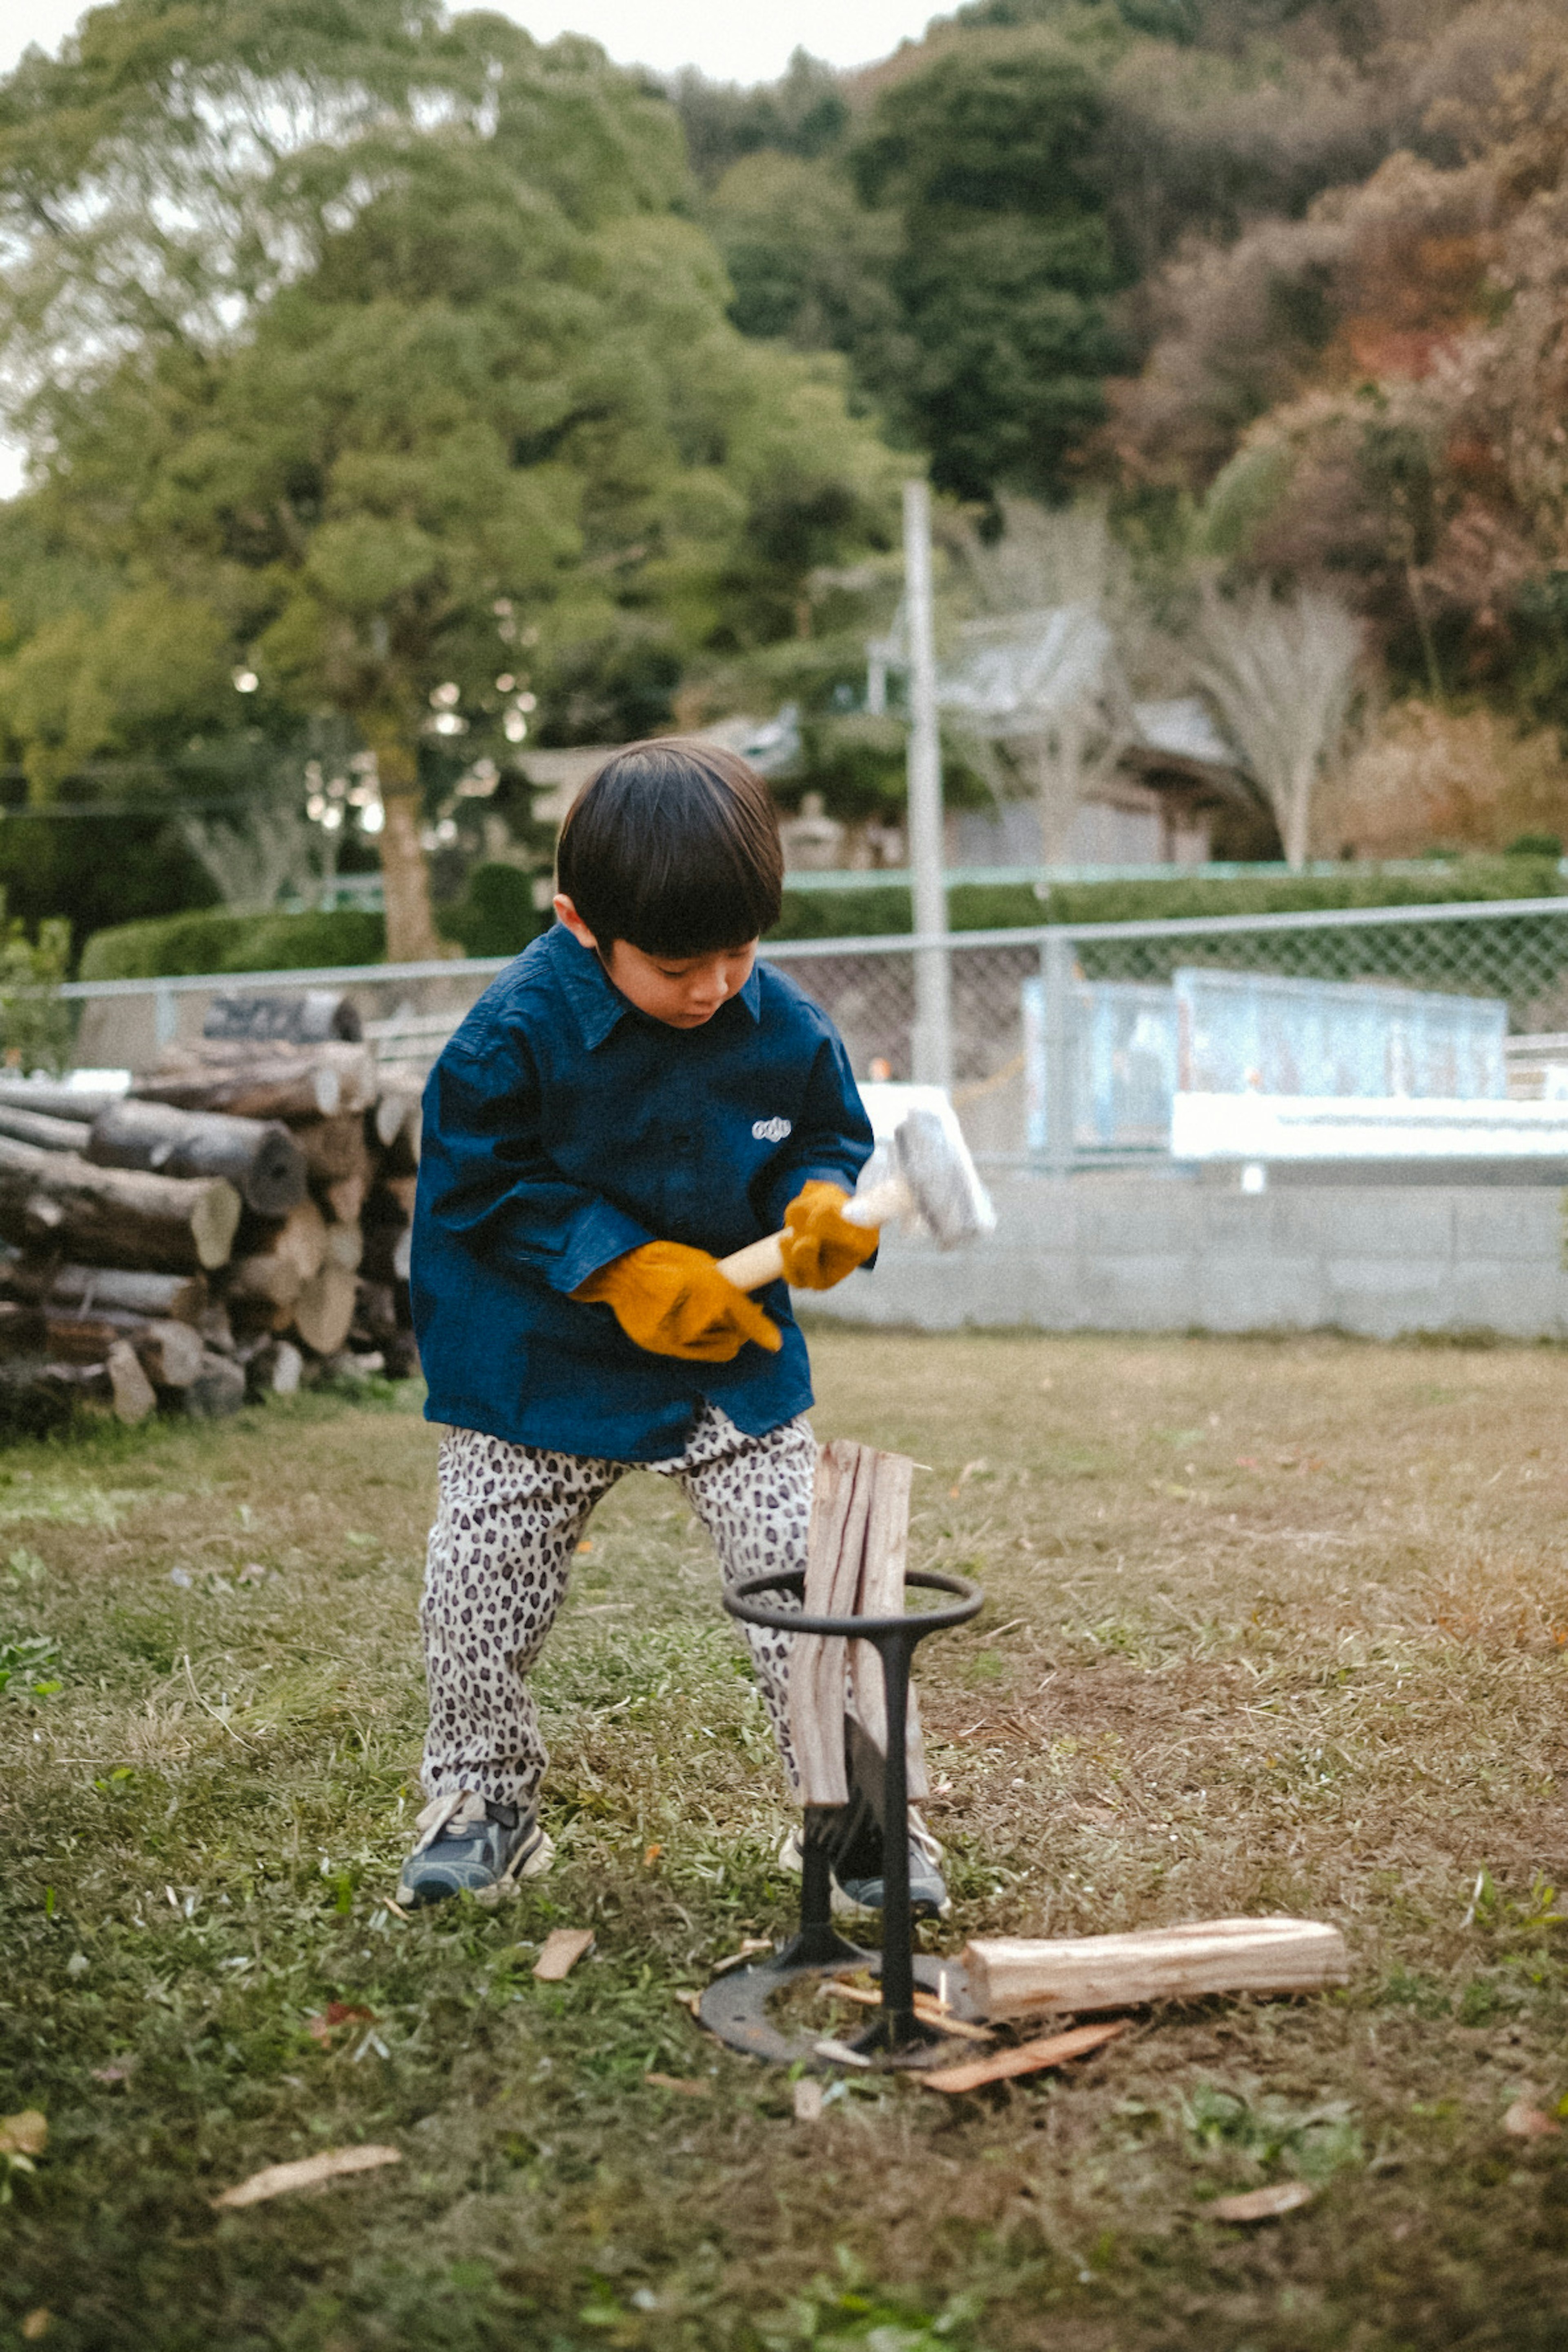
932, 1039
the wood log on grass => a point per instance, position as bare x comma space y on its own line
258, 1157
302, 1082
172, 1297
169, 1352
57, 1100
1013, 1976
301, 1237
26, 1125
217, 1389
115, 1216
274, 1368
395, 1121
320, 1081
333, 1148
264, 1286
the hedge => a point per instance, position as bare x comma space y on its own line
498, 915
216, 941
1013, 905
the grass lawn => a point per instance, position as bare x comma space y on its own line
1272, 1626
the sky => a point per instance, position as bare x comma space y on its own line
730, 43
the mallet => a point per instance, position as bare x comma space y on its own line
933, 1179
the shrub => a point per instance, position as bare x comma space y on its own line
497, 916
177, 945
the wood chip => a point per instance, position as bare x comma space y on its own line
750, 1946
840, 2052
564, 1948
690, 2086
807, 2100
1264, 2204
1524, 2121
309, 2172
1029, 2058
928, 2009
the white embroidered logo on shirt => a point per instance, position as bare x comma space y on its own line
772, 1130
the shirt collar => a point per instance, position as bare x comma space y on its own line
598, 1003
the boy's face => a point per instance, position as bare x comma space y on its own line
683, 992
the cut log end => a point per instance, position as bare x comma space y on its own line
214, 1221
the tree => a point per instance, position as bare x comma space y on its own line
988, 156
1281, 673
386, 350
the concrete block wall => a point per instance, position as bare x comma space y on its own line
1141, 1253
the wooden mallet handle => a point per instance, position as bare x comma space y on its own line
762, 1262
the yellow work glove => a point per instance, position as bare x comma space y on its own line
820, 1245
674, 1301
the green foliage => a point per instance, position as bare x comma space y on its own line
1268, 2132
430, 386
1007, 259
808, 264
497, 916
26, 1667
216, 941
35, 1025
803, 114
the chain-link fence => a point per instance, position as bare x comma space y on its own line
1031, 1026
1025, 1011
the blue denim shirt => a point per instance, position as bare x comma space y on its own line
563, 1127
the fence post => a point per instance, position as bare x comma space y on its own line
165, 1017
932, 1044
1056, 984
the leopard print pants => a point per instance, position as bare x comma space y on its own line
509, 1520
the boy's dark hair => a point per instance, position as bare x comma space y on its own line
674, 845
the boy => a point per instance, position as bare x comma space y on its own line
632, 1099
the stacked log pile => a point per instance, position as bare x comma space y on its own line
237, 1225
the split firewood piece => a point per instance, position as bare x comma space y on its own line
1029, 2058
120, 1216
134, 1395
881, 1594
334, 1149
259, 1157
560, 1951
274, 1368
345, 1247
306, 2172
301, 1238
171, 1354
818, 1671
396, 1122
1018, 1977
325, 1310
269, 1283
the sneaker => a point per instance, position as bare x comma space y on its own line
468, 1844
856, 1867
